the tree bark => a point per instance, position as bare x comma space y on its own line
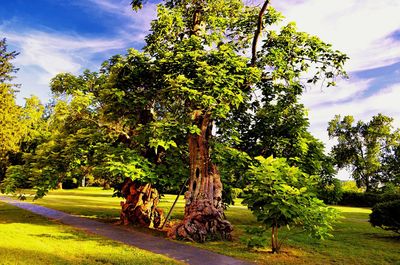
274, 239
204, 212
140, 206
60, 185
257, 33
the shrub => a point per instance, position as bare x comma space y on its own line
359, 199
386, 215
366, 199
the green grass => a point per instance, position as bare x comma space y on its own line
26, 238
355, 241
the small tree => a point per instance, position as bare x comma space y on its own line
280, 195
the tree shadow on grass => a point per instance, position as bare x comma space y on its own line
23, 256
58, 237
10, 214
388, 237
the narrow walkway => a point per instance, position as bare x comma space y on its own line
181, 252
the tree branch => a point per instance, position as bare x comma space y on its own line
257, 33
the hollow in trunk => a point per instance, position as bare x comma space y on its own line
204, 212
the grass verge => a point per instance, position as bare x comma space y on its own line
355, 241
26, 238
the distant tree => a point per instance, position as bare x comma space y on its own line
10, 124
362, 147
351, 186
391, 165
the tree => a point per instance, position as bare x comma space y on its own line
192, 74
280, 195
362, 146
391, 165
10, 125
197, 46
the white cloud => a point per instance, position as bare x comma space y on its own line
45, 54
55, 52
358, 28
344, 90
362, 30
385, 101
137, 22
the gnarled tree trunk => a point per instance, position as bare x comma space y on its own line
140, 206
204, 213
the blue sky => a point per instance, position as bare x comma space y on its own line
56, 36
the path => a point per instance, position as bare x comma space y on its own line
185, 253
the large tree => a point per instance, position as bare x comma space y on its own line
199, 50
202, 61
364, 148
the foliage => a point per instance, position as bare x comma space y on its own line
258, 238
232, 164
331, 192
362, 146
280, 195
390, 188
386, 215
272, 121
10, 124
7, 69
351, 186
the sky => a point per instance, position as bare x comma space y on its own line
56, 36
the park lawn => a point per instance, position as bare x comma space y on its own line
27, 238
355, 241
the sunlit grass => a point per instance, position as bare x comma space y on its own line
355, 241
26, 238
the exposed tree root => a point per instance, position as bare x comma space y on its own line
140, 206
202, 222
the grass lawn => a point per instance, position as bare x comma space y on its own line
355, 241
26, 238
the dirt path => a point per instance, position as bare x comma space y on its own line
181, 252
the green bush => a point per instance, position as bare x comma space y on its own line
386, 215
367, 199
359, 199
